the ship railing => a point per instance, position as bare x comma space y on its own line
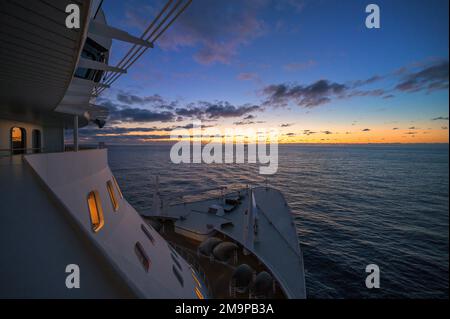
6, 152
194, 263
217, 193
83, 147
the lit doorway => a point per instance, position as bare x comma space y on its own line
18, 140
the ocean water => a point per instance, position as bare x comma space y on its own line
354, 205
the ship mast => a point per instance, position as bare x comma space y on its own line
167, 16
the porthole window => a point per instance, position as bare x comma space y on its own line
147, 233
173, 250
176, 262
95, 211
142, 256
112, 195
178, 275
117, 187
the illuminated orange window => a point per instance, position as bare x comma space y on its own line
95, 211
117, 187
143, 258
112, 195
16, 134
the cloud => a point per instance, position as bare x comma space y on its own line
431, 78
152, 100
189, 126
395, 128
440, 118
219, 109
247, 76
216, 29
327, 132
308, 132
113, 130
191, 111
309, 96
297, 66
366, 130
418, 77
133, 99
133, 108
111, 134
248, 122
128, 134
125, 113
377, 92
225, 109
243, 123
370, 80
140, 115
286, 125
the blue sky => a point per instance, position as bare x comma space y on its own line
270, 54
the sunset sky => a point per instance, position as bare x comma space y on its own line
309, 68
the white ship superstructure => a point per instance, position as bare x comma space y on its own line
62, 206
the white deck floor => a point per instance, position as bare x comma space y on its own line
38, 241
276, 244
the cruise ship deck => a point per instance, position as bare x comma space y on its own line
28, 212
276, 244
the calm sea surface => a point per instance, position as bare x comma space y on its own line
353, 205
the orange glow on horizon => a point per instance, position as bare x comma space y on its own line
380, 136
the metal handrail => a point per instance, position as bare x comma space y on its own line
169, 196
19, 149
192, 261
23, 151
170, 199
7, 152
